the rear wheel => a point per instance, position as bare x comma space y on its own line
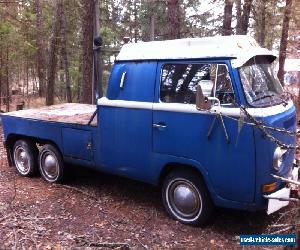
51, 164
25, 154
186, 198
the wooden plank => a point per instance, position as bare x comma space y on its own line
74, 113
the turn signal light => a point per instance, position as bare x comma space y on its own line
267, 188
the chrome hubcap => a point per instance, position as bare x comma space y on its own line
50, 165
22, 160
184, 199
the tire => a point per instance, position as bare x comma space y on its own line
51, 165
186, 198
25, 155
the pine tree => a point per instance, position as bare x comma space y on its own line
284, 39
226, 31
87, 30
53, 53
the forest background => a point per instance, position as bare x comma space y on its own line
46, 47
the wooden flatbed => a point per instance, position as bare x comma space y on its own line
73, 113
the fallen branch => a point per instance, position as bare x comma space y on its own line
287, 212
15, 239
109, 245
143, 245
79, 191
284, 230
83, 241
45, 218
281, 225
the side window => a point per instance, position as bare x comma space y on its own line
179, 82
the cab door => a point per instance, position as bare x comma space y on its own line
180, 130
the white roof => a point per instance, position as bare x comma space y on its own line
242, 48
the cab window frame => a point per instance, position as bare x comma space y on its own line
235, 95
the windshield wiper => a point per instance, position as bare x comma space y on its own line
263, 97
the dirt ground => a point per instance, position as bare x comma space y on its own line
97, 211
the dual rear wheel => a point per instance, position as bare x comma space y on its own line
29, 160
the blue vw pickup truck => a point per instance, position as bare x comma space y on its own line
205, 119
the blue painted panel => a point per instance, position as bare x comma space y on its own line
48, 131
126, 142
114, 80
138, 83
265, 151
77, 143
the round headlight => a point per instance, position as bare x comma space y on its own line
277, 158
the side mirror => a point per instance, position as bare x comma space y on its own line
202, 102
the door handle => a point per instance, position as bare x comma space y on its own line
89, 146
159, 125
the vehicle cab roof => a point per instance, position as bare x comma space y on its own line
240, 48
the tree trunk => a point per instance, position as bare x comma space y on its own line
262, 30
243, 21
61, 78
246, 16
79, 85
7, 80
52, 54
65, 55
98, 74
87, 71
33, 76
114, 16
152, 26
284, 39
40, 42
173, 19
238, 16
135, 11
226, 30
27, 78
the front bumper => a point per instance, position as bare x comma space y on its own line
282, 197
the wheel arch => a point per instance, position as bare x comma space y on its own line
171, 166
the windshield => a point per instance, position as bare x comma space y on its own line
261, 86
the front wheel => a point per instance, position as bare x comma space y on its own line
51, 164
186, 198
